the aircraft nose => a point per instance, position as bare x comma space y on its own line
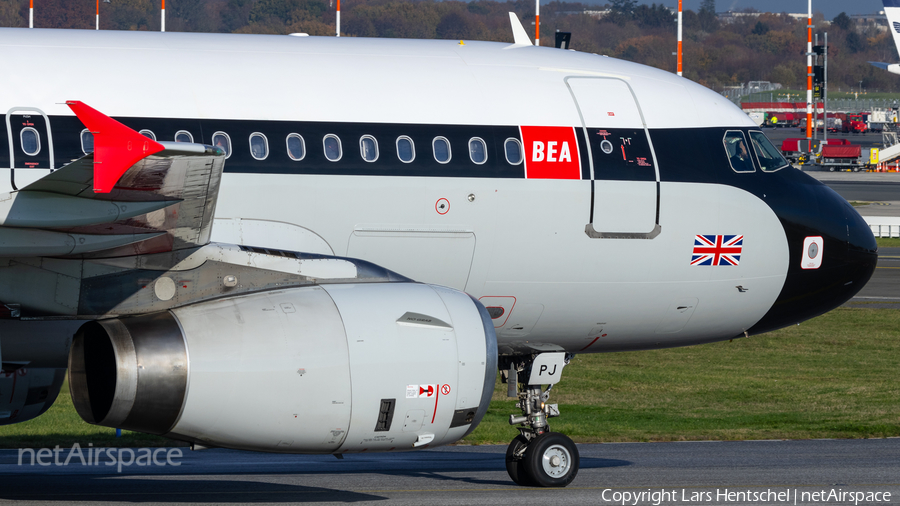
832, 255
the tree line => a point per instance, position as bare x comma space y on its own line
767, 47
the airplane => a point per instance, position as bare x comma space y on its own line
331, 245
892, 12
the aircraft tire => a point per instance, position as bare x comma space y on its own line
515, 467
551, 460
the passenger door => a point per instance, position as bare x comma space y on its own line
625, 179
30, 145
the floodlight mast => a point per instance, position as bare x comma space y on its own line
809, 71
678, 69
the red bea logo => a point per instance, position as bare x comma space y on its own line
551, 153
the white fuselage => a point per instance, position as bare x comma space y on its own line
517, 243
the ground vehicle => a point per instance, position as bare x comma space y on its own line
842, 156
856, 123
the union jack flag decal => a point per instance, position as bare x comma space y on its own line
717, 249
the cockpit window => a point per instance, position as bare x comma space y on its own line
767, 155
738, 152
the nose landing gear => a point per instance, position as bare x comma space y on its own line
538, 457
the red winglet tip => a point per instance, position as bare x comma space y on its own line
116, 147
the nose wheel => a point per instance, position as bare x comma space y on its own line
549, 460
537, 457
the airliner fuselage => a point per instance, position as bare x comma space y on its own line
590, 204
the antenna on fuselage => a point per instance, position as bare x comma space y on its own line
520, 36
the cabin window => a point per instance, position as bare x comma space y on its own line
767, 155
148, 134
332, 145
513, 149
87, 141
259, 146
31, 141
183, 136
738, 152
477, 150
406, 150
296, 147
222, 140
368, 148
441, 147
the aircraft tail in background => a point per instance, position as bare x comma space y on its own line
892, 11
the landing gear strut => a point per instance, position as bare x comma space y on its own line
538, 457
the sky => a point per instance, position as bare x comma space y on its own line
830, 8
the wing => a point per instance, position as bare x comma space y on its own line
131, 196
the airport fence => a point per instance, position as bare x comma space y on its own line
834, 104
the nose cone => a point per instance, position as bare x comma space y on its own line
820, 223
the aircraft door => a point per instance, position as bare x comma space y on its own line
625, 179
30, 145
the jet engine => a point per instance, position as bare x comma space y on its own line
319, 369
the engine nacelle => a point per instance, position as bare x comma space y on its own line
322, 369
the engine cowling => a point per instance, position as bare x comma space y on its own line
322, 369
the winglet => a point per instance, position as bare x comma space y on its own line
116, 147
520, 37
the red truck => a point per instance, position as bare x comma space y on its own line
856, 123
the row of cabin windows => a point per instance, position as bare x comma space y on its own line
331, 144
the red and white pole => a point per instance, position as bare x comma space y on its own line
678, 69
30, 13
809, 71
337, 24
537, 22
98, 15
162, 17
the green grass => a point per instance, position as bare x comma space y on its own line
888, 242
61, 425
832, 377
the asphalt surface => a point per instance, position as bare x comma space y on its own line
690, 473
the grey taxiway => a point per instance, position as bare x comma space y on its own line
735, 472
